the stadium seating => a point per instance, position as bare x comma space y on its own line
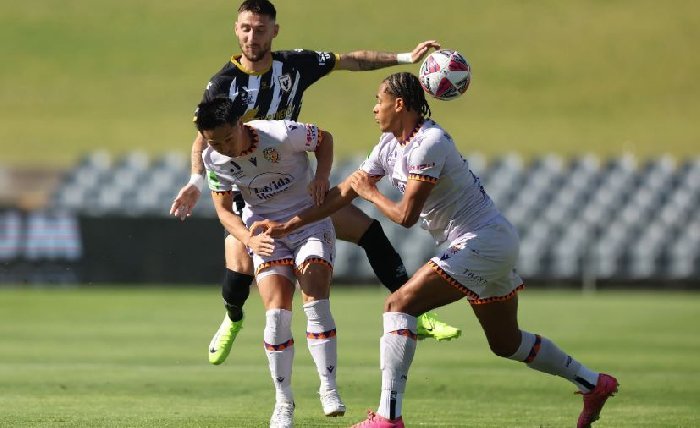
610, 219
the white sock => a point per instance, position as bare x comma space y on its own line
396, 350
543, 355
321, 340
279, 347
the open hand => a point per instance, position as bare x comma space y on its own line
363, 184
270, 227
318, 189
422, 49
185, 201
261, 244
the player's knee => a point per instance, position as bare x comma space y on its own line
502, 348
236, 287
351, 224
397, 302
237, 257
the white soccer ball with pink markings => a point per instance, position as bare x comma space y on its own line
445, 74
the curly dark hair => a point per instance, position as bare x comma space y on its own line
406, 86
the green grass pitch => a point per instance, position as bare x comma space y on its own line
134, 357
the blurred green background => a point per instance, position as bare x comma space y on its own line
571, 77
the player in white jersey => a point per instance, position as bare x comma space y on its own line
273, 84
268, 162
440, 191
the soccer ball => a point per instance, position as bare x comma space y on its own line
445, 74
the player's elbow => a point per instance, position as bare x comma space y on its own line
408, 220
326, 139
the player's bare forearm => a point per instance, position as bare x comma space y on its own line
338, 197
197, 150
366, 60
373, 60
407, 211
223, 202
324, 156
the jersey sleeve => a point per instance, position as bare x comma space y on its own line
215, 181
312, 65
426, 162
302, 137
374, 164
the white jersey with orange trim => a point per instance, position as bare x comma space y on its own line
458, 204
274, 174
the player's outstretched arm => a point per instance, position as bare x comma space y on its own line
261, 244
338, 197
373, 60
188, 196
407, 211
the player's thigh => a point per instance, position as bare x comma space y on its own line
236, 254
499, 319
314, 252
276, 290
350, 223
424, 291
315, 281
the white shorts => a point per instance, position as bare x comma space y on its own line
313, 243
481, 264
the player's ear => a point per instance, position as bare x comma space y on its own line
399, 105
276, 29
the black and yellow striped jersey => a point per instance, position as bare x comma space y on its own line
277, 92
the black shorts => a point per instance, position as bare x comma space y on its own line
238, 204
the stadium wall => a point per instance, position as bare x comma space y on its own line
55, 247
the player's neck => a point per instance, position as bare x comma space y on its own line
245, 144
256, 66
408, 128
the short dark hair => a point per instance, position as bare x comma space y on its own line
406, 86
217, 112
259, 7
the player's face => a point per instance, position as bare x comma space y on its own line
385, 110
255, 34
225, 139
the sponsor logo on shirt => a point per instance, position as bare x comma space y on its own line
245, 93
421, 167
266, 186
311, 135
323, 57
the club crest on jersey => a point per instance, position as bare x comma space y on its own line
285, 82
271, 155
